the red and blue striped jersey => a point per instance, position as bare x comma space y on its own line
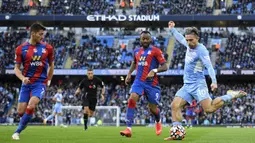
146, 60
35, 60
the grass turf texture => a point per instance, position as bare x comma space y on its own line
50, 134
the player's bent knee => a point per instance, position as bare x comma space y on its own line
31, 106
209, 110
20, 114
175, 106
131, 103
29, 110
134, 96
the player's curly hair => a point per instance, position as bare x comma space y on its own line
192, 30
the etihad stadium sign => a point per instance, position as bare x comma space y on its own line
123, 18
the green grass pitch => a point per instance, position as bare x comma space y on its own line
51, 134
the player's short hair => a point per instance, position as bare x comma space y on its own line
145, 32
192, 30
37, 27
90, 69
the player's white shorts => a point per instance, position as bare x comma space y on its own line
198, 90
58, 109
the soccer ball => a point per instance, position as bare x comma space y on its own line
177, 132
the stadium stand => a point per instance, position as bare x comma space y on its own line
80, 7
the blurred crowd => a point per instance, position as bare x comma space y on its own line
80, 7
237, 111
238, 51
9, 40
146, 7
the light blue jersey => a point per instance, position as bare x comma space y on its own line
195, 62
58, 105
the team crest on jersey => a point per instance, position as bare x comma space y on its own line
35, 50
149, 52
43, 51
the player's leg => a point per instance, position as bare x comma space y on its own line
50, 116
180, 100
28, 115
89, 109
85, 115
92, 106
136, 90
86, 104
38, 91
189, 122
210, 105
60, 119
153, 96
22, 108
22, 105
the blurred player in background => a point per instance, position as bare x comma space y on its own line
89, 100
147, 61
190, 113
37, 59
195, 87
58, 98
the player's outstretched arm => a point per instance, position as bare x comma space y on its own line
178, 36
204, 56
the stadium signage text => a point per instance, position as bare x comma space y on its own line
123, 18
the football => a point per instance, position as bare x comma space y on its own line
177, 132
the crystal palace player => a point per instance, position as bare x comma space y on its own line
89, 100
37, 59
146, 62
190, 113
196, 59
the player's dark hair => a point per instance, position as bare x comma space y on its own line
145, 32
37, 27
192, 30
90, 69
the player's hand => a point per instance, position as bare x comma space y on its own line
214, 87
102, 98
171, 24
151, 74
48, 83
128, 79
25, 80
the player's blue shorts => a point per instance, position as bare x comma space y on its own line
190, 113
198, 91
57, 109
151, 92
29, 90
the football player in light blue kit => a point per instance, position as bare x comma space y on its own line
196, 60
58, 98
